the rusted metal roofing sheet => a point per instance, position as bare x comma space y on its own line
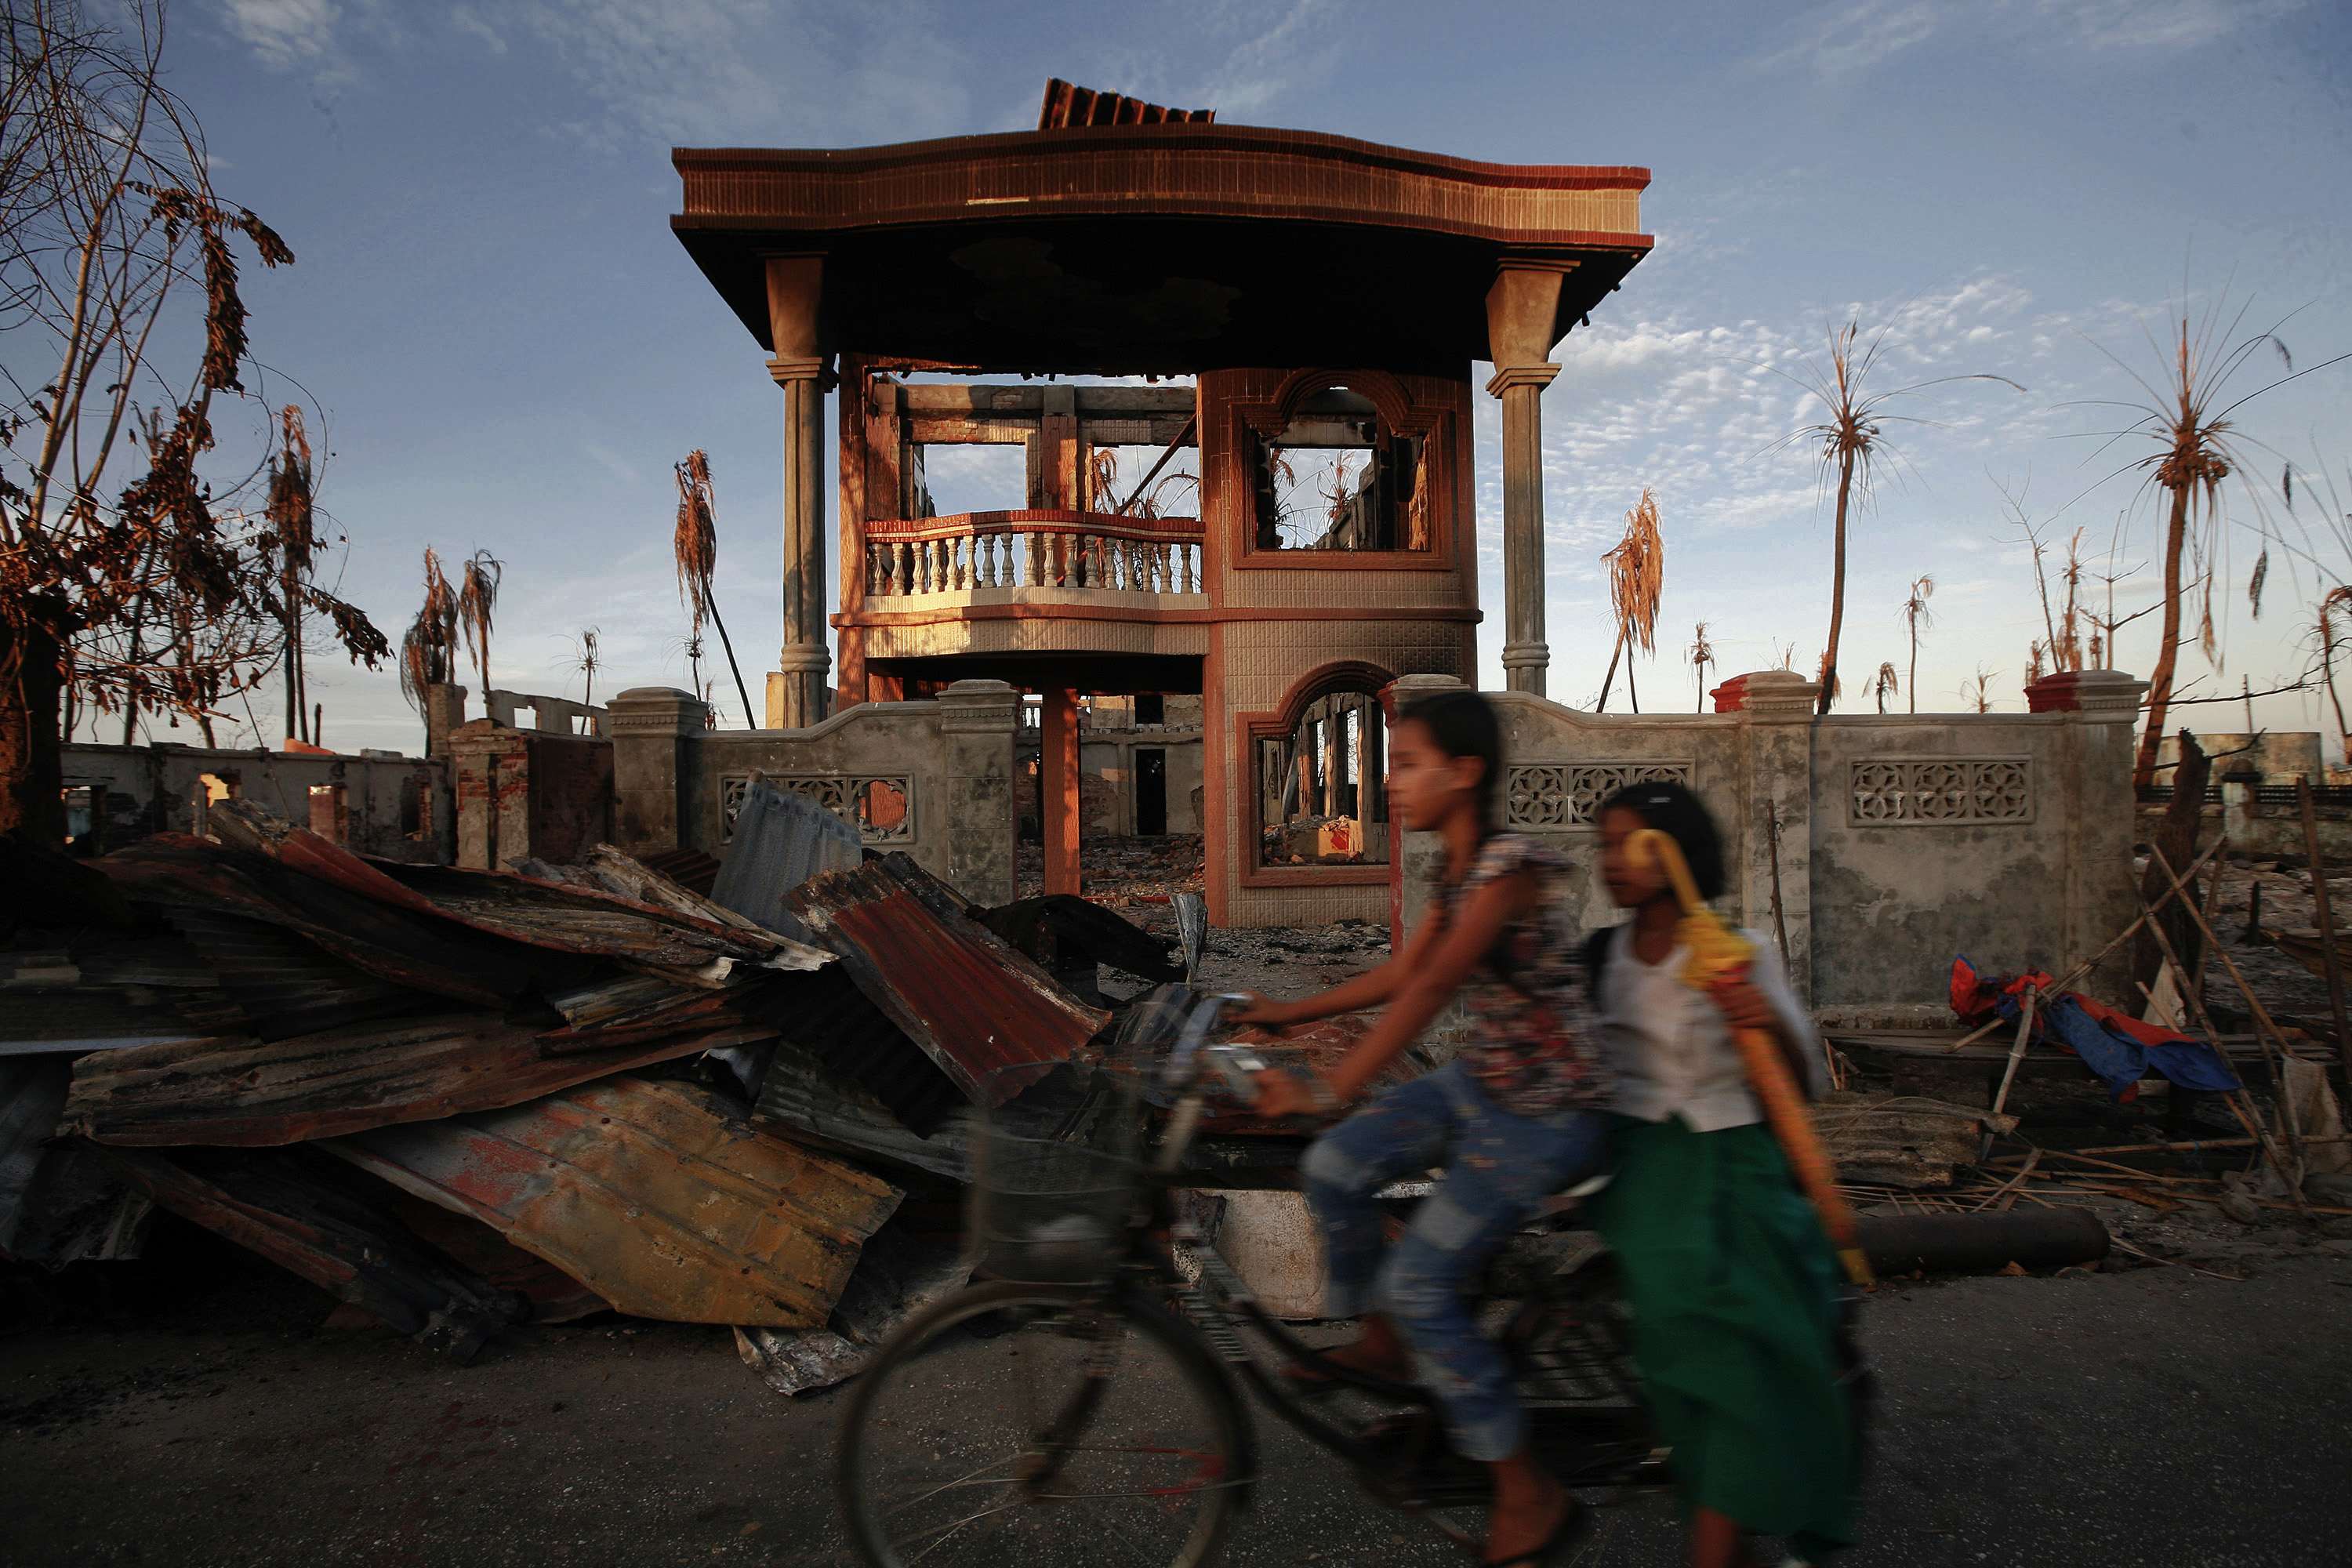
692, 869
686, 936
655, 1195
902, 1272
555, 1296
309, 1217
966, 996
176, 870
67, 1023
283, 984
598, 924
250, 1092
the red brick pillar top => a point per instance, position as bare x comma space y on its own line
1778, 691
2103, 693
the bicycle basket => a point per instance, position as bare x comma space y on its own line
1058, 1180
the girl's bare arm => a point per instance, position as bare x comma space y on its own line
1431, 978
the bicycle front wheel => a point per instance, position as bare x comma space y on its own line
1040, 1426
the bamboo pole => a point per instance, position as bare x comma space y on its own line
2016, 1054
2263, 1021
2254, 1124
2334, 960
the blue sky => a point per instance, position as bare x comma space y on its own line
510, 350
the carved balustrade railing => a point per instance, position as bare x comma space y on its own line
1033, 549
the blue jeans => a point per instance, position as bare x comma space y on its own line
1499, 1169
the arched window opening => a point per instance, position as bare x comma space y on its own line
1322, 789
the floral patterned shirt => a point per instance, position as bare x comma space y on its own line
1536, 1045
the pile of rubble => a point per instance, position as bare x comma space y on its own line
459, 1101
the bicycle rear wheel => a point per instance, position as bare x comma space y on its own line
1040, 1426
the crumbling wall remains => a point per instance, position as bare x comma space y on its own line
383, 802
934, 778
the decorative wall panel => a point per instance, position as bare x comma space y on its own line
1559, 796
882, 806
1892, 791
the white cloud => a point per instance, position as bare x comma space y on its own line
1839, 39
466, 20
1851, 36
717, 72
284, 33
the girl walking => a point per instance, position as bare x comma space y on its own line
1731, 1279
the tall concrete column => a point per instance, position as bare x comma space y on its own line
1522, 318
1525, 656
799, 690
1057, 766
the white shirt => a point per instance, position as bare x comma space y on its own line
1672, 1050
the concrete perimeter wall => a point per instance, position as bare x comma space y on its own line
1898, 842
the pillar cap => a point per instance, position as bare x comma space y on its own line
656, 710
2100, 695
1504, 379
797, 367
1767, 694
968, 707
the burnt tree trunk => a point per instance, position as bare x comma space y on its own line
2176, 835
32, 764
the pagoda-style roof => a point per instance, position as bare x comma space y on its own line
1164, 248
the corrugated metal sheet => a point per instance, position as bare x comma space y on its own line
175, 870
653, 1194
284, 985
67, 1023
557, 916
32, 1094
253, 1092
781, 839
607, 868
594, 923
974, 1006
692, 869
901, 1273
820, 1107
555, 1296
831, 1018
309, 1217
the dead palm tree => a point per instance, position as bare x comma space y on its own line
1915, 615
1884, 684
1978, 694
1850, 442
477, 603
2196, 446
291, 520
584, 660
1702, 654
2332, 605
1637, 576
695, 548
428, 649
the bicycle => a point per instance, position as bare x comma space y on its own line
1117, 1376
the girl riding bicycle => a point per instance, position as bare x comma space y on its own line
1514, 1118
